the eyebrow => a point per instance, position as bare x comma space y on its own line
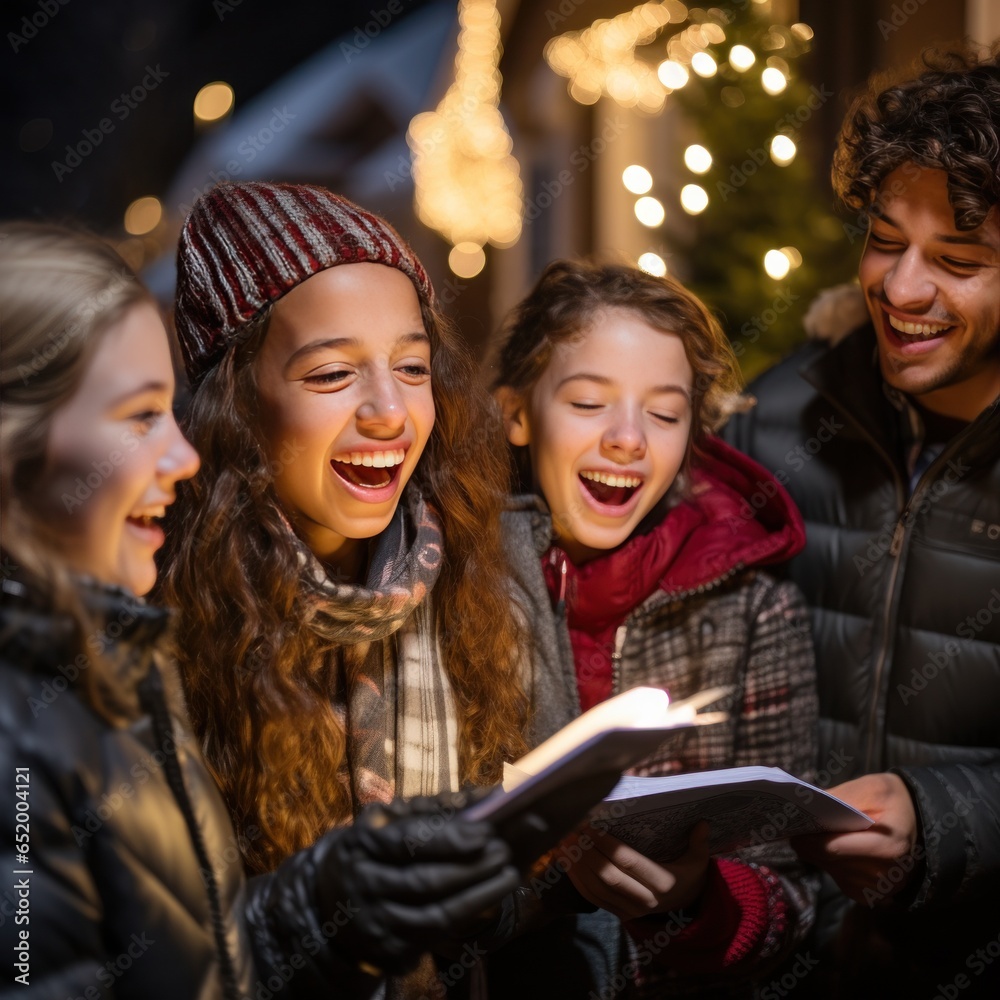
332, 343
970, 239
605, 381
150, 386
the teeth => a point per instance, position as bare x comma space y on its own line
150, 513
916, 329
372, 459
611, 480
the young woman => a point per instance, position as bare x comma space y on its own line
350, 634
126, 871
642, 544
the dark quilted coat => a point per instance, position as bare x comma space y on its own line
904, 592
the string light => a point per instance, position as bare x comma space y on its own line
773, 80
467, 185
672, 74
704, 65
741, 58
143, 216
637, 179
793, 255
466, 260
783, 150
694, 199
697, 159
649, 211
776, 264
602, 59
214, 101
652, 263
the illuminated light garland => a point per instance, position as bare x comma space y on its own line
600, 60
467, 185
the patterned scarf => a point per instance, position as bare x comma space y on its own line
395, 698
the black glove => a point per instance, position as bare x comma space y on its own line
406, 876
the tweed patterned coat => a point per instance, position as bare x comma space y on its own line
713, 618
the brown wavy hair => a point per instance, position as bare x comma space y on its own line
945, 118
260, 686
562, 307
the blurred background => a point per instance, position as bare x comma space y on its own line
496, 135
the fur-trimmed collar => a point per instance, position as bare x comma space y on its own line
835, 312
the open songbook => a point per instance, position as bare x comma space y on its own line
578, 772
563, 778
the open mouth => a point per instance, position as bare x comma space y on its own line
916, 333
370, 470
609, 489
148, 522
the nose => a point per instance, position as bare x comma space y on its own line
180, 460
908, 284
624, 439
382, 410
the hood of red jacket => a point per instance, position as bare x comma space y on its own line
737, 517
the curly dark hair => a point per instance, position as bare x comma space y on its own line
945, 118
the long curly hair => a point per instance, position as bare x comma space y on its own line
945, 118
260, 685
562, 306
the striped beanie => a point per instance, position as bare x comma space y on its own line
245, 245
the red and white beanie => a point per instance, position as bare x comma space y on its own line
245, 245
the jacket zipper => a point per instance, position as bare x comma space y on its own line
896, 547
621, 632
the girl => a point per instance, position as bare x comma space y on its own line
121, 845
642, 549
350, 469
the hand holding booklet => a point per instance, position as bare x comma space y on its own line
558, 783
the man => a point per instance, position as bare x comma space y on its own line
888, 439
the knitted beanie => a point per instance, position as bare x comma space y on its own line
245, 245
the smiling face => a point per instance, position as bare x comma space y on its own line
115, 456
933, 292
344, 379
607, 425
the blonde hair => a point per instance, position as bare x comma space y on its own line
60, 291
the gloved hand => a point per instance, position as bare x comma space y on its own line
408, 875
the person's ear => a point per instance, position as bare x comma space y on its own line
515, 415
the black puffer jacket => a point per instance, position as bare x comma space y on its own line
904, 590
127, 879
